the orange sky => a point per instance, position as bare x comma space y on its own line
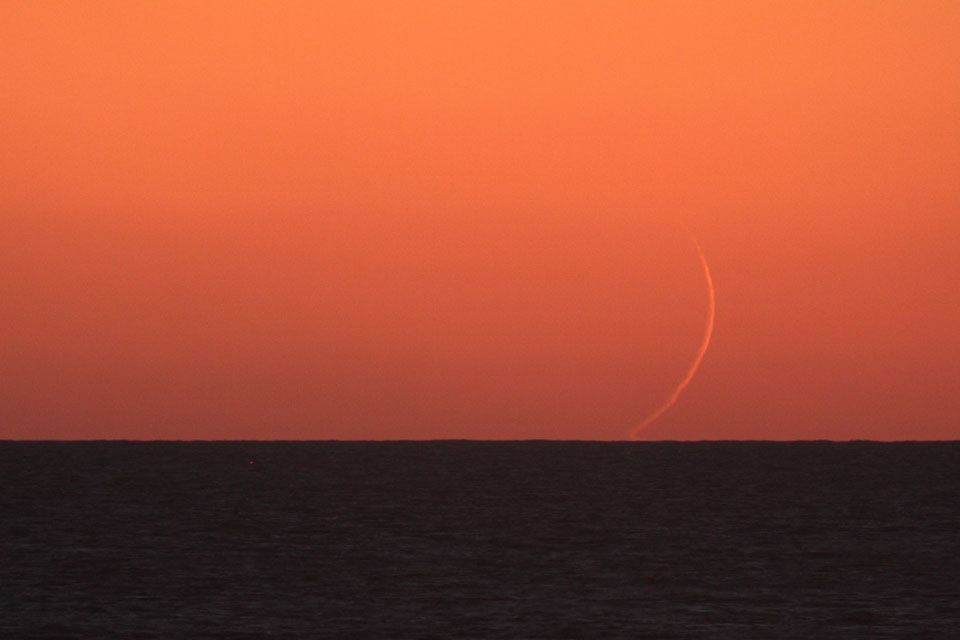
373, 220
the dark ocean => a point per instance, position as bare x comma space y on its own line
479, 540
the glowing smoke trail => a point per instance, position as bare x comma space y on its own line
696, 362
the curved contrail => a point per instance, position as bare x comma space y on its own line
711, 313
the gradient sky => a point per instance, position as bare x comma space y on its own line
372, 220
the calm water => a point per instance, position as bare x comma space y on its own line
472, 539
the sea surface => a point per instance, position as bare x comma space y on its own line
462, 539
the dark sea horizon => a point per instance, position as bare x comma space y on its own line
479, 539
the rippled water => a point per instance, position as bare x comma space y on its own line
473, 539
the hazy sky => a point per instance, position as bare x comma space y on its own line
361, 220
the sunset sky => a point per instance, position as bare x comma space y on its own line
393, 220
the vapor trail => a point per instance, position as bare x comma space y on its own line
711, 313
